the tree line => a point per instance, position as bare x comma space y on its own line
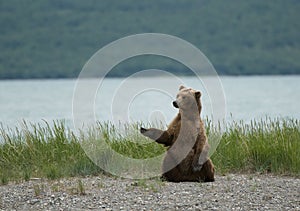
54, 38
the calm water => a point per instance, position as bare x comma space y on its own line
128, 100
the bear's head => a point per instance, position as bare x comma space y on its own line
188, 99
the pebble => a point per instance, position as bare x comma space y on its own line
230, 192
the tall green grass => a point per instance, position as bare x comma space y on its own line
42, 151
53, 151
262, 146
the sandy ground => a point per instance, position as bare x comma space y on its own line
230, 192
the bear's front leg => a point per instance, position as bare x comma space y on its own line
160, 136
200, 158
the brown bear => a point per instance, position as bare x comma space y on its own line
187, 155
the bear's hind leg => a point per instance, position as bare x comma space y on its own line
208, 172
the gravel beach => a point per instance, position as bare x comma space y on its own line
230, 192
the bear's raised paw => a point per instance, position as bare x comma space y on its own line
143, 130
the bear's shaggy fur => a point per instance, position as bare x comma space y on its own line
187, 155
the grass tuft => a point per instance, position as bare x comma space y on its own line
266, 146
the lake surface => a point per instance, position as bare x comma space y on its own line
139, 99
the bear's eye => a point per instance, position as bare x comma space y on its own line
183, 97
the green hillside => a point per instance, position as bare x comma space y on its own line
54, 38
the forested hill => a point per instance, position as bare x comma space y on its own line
54, 38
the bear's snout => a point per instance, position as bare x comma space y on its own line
175, 104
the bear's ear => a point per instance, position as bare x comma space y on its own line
181, 87
197, 94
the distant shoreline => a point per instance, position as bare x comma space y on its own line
112, 77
